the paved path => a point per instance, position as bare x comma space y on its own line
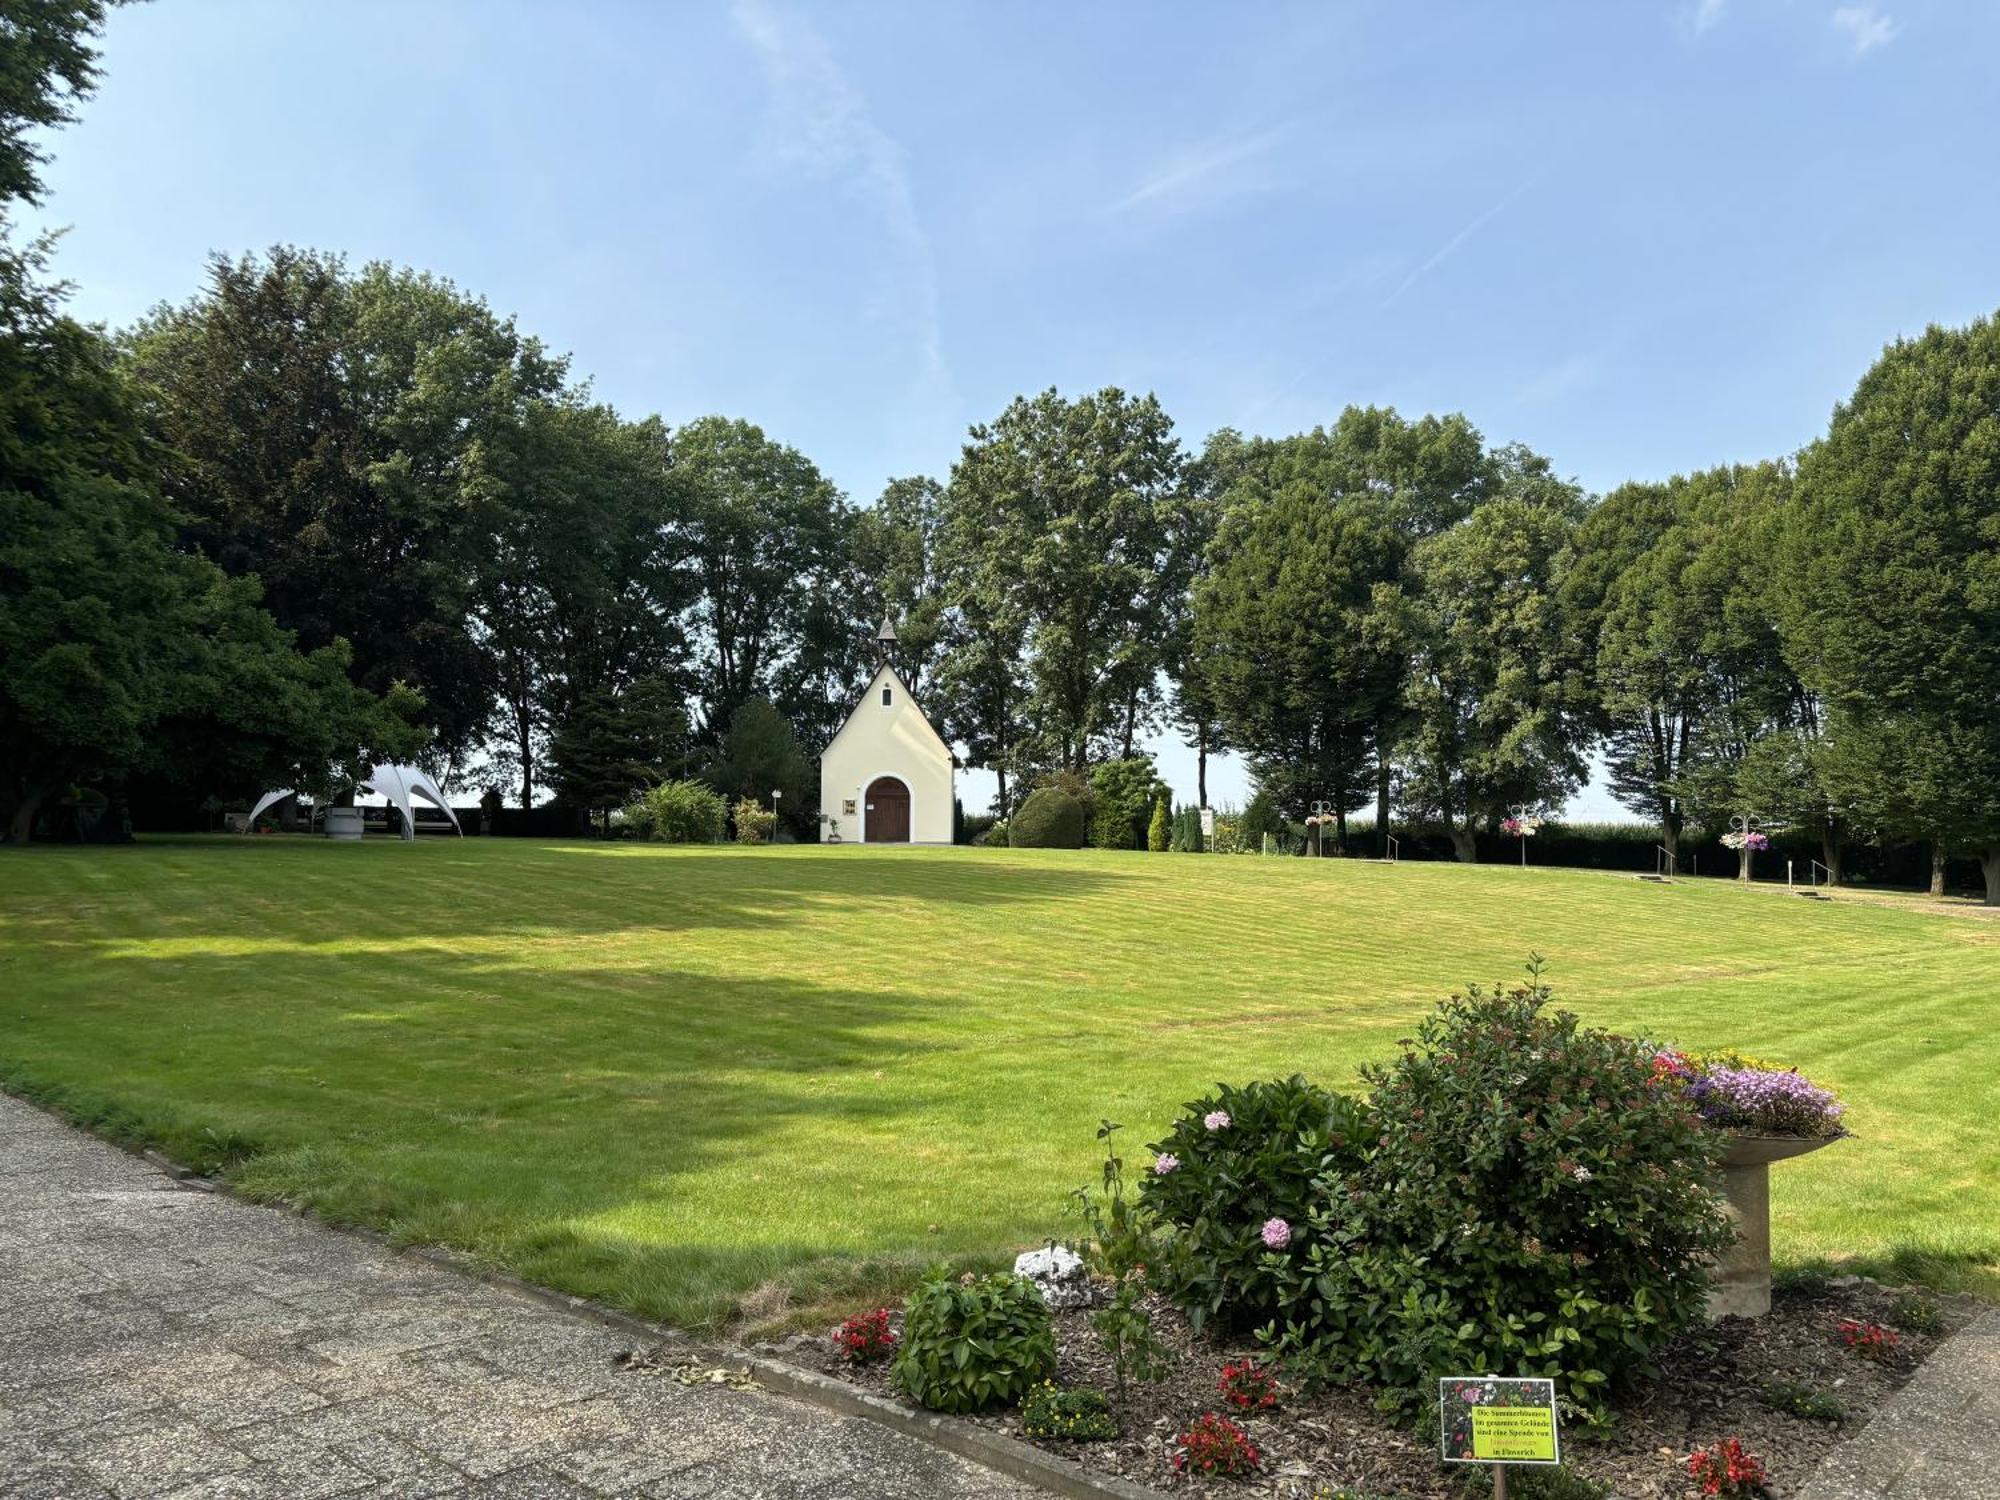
1937, 1439
156, 1340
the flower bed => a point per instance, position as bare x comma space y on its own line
1746, 1380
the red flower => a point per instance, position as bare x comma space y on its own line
1248, 1386
1727, 1469
866, 1336
1216, 1446
1869, 1340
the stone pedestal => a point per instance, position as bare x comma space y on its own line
1741, 1284
343, 822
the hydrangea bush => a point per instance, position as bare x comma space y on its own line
1233, 1180
1518, 1194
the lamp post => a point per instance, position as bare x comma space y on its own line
775, 795
1744, 830
1320, 812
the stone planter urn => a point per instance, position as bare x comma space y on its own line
343, 822
1741, 1284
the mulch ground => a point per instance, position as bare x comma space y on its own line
1711, 1387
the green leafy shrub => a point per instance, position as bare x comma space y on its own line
1535, 1482
677, 812
1798, 1399
1122, 796
1536, 1203
975, 827
1229, 837
1234, 1162
1126, 1329
974, 1342
994, 837
1159, 830
1050, 819
754, 824
1915, 1313
1809, 1278
1081, 1415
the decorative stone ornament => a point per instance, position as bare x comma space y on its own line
1058, 1274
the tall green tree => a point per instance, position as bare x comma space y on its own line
48, 65
1666, 590
583, 586
1890, 583
780, 611
1495, 718
898, 551
614, 744
760, 754
1063, 514
1292, 645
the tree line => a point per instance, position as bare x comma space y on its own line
318, 514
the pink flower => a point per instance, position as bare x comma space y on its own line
1164, 1163
1219, 1120
1276, 1233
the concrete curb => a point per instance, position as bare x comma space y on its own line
992, 1450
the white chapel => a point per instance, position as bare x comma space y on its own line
886, 776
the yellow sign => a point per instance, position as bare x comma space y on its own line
1498, 1419
1513, 1434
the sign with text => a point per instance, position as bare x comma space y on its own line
1488, 1419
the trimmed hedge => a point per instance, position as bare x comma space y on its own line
1049, 819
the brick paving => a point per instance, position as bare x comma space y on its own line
157, 1340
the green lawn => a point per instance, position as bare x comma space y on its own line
669, 1077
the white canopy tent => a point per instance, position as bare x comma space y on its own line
396, 783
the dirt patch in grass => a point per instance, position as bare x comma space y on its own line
1717, 1382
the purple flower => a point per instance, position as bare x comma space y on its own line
1767, 1103
1276, 1234
1164, 1163
1219, 1120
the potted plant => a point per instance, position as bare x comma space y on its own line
1769, 1114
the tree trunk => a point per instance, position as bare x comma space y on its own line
1340, 834
22, 829
1937, 867
1201, 765
1670, 833
1001, 772
1832, 846
1989, 866
1381, 793
1464, 845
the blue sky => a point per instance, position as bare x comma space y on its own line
1640, 237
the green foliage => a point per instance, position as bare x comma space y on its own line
759, 754
1123, 793
1126, 1329
1049, 819
1159, 828
1069, 547
1809, 1278
1221, 1184
677, 812
614, 744
1185, 835
754, 824
1535, 1482
51, 67
974, 1342
1913, 1312
1534, 1204
1496, 717
1795, 1398
1118, 1241
1078, 1415
1902, 499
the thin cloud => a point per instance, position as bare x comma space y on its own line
1865, 28
821, 122
1193, 174
1445, 250
1707, 15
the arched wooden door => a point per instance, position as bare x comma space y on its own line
886, 817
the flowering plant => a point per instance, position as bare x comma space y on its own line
866, 1337
1248, 1386
1216, 1446
1276, 1234
1764, 1102
1756, 841
1520, 828
1076, 1416
1869, 1340
1726, 1469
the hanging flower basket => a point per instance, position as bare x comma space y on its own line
1520, 828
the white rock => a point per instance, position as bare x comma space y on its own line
1058, 1274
